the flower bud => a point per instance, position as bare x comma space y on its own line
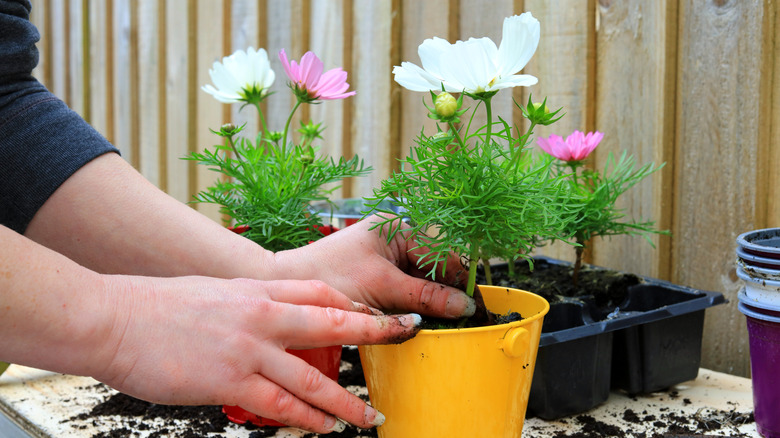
307, 155
539, 113
540, 107
446, 105
274, 135
228, 130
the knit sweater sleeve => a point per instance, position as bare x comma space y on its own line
42, 141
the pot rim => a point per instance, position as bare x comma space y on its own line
747, 258
508, 325
756, 280
747, 311
766, 273
744, 240
746, 300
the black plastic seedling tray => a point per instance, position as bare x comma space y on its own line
650, 341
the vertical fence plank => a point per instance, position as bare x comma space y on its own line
476, 21
562, 64
634, 49
40, 16
209, 43
418, 26
245, 33
371, 66
327, 42
176, 88
58, 83
123, 79
98, 86
280, 27
77, 59
716, 153
149, 88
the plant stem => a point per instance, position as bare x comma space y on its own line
472, 281
262, 117
235, 150
457, 136
511, 268
287, 125
488, 275
575, 277
489, 115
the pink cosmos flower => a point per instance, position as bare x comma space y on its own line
576, 147
310, 83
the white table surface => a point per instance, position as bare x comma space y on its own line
46, 404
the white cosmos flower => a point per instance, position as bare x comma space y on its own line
477, 65
244, 76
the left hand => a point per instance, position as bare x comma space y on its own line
361, 264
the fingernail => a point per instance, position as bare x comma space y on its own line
460, 304
338, 426
416, 319
378, 418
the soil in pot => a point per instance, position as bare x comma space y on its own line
607, 288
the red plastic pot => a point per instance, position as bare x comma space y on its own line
325, 359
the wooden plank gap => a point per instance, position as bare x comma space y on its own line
109, 73
302, 43
135, 110
162, 93
394, 149
664, 253
765, 176
66, 96
591, 72
46, 39
227, 49
346, 124
192, 96
86, 62
519, 95
262, 42
773, 209
453, 18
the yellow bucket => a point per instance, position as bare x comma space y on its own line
470, 382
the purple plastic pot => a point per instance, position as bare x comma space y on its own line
764, 333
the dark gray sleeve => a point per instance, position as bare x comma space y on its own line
42, 141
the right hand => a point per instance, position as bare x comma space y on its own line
199, 340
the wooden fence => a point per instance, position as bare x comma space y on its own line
694, 84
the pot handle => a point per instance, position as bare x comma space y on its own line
516, 342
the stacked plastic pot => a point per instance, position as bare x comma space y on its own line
758, 264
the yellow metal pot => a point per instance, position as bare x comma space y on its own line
463, 382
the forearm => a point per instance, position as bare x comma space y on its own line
108, 218
53, 312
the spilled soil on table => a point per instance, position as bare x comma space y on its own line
140, 418
121, 416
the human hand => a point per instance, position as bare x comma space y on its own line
361, 264
198, 340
